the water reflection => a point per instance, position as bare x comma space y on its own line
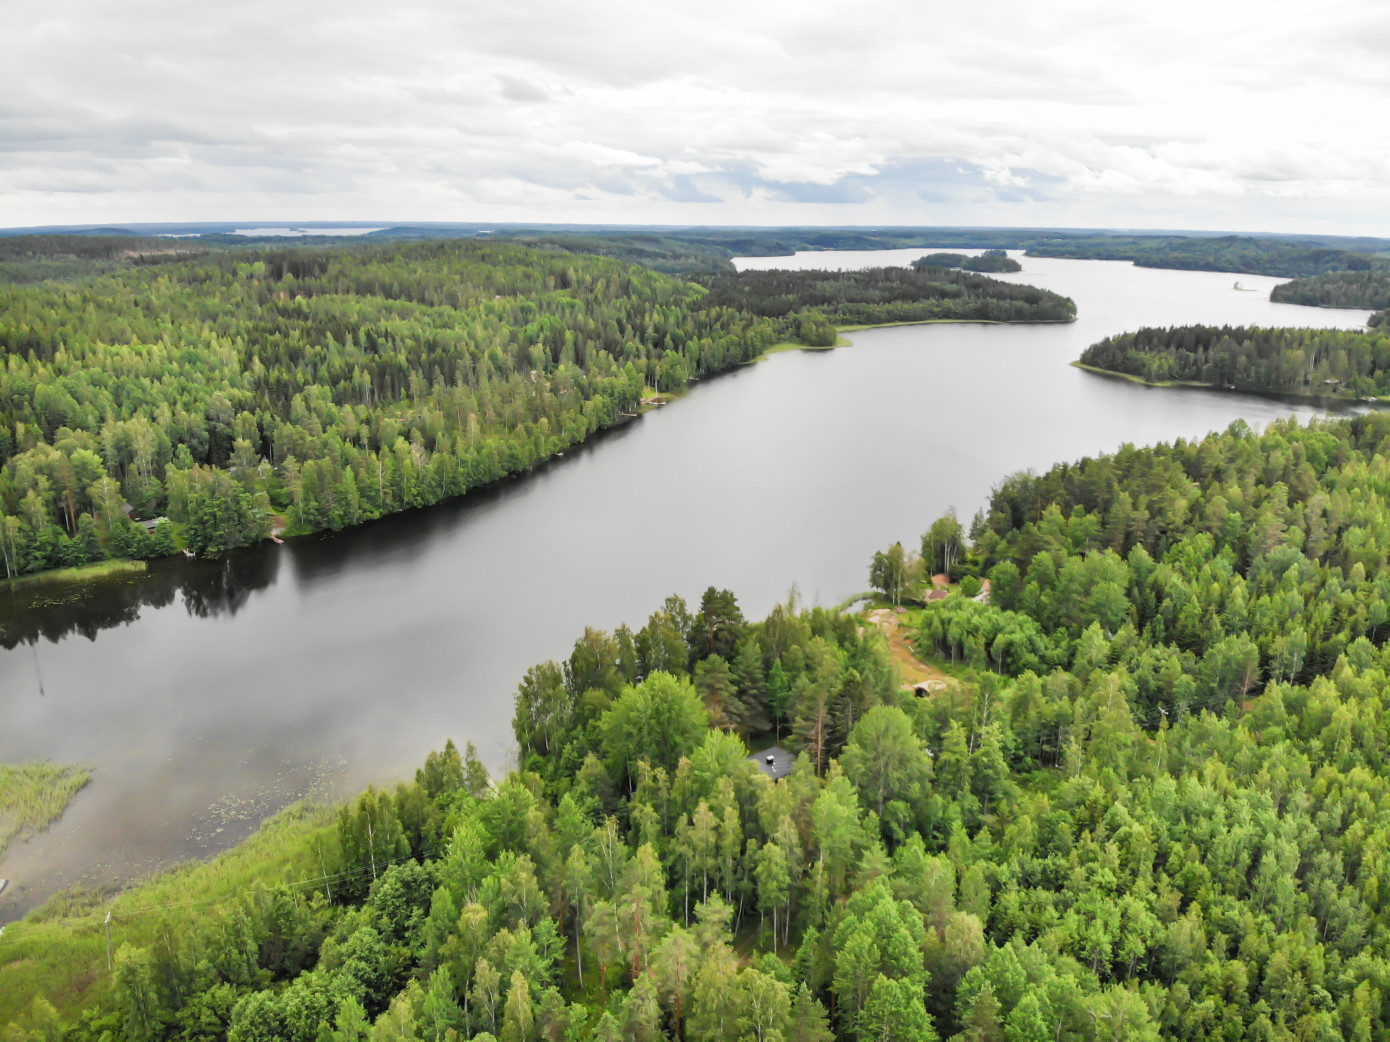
209, 588
400, 539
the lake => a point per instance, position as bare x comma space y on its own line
205, 696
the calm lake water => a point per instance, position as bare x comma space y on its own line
206, 696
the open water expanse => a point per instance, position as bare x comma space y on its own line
207, 695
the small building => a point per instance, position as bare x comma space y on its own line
774, 761
149, 526
941, 580
938, 595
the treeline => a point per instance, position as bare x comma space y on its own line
1157, 806
1234, 253
1368, 289
1320, 362
701, 249
325, 387
39, 258
876, 295
988, 261
691, 250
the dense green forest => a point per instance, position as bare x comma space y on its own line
877, 295
988, 261
706, 249
709, 249
1235, 253
40, 258
1155, 804
241, 392
1318, 362
1338, 289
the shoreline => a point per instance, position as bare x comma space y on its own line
113, 568
1311, 399
61, 942
843, 341
97, 571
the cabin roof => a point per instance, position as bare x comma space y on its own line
780, 764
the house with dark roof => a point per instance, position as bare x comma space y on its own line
775, 762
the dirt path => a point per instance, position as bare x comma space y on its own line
913, 669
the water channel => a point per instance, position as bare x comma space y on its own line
205, 696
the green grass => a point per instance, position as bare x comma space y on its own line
59, 951
1140, 380
792, 345
81, 573
34, 796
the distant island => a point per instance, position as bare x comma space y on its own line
988, 261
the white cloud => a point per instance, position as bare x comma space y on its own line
1241, 114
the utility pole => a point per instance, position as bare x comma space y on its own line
108, 941
327, 885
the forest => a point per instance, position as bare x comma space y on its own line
709, 249
1338, 289
988, 261
41, 258
239, 394
873, 296
680, 251
1151, 803
1234, 253
1324, 363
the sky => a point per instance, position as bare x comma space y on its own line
1223, 114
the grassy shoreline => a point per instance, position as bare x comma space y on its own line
95, 572
34, 795
58, 951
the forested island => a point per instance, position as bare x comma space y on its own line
1148, 804
989, 260
1324, 363
1368, 289
207, 403
874, 296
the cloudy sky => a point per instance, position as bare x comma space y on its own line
1223, 114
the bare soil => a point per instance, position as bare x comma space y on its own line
913, 669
